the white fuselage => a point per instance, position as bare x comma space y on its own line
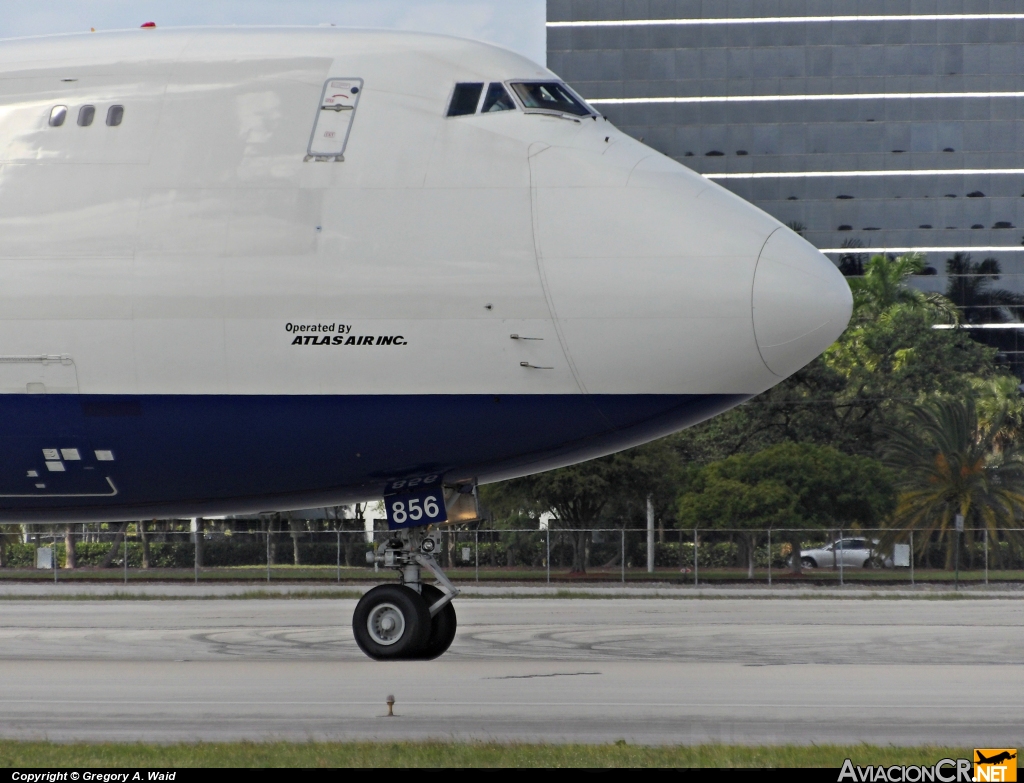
192, 250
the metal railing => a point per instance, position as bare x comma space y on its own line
169, 551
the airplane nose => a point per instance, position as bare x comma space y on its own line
800, 302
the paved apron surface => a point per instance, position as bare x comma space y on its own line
645, 670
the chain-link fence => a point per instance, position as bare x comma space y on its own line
327, 551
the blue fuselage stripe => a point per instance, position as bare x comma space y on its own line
186, 455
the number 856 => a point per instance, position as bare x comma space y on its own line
415, 512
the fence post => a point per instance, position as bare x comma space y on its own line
650, 536
769, 557
196, 550
840, 557
476, 553
695, 557
986, 559
338, 580
682, 563
622, 554
547, 559
125, 541
54, 558
959, 536
911, 557
268, 550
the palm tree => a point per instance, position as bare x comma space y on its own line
999, 399
883, 286
947, 463
851, 263
969, 288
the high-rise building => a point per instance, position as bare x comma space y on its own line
867, 125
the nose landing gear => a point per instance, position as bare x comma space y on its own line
410, 620
391, 621
442, 626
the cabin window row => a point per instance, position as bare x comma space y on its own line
86, 115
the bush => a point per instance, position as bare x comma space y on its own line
217, 552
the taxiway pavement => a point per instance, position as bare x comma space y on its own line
647, 670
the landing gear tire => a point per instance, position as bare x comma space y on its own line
392, 622
442, 627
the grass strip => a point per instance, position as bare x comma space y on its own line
726, 576
808, 596
457, 754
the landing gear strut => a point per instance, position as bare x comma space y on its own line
410, 620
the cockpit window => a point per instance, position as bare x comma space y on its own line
550, 96
497, 99
465, 98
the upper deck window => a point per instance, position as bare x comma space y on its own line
86, 115
550, 96
465, 98
114, 115
57, 115
497, 99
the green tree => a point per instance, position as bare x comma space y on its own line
883, 286
580, 495
891, 357
830, 489
948, 463
998, 401
720, 502
9, 534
